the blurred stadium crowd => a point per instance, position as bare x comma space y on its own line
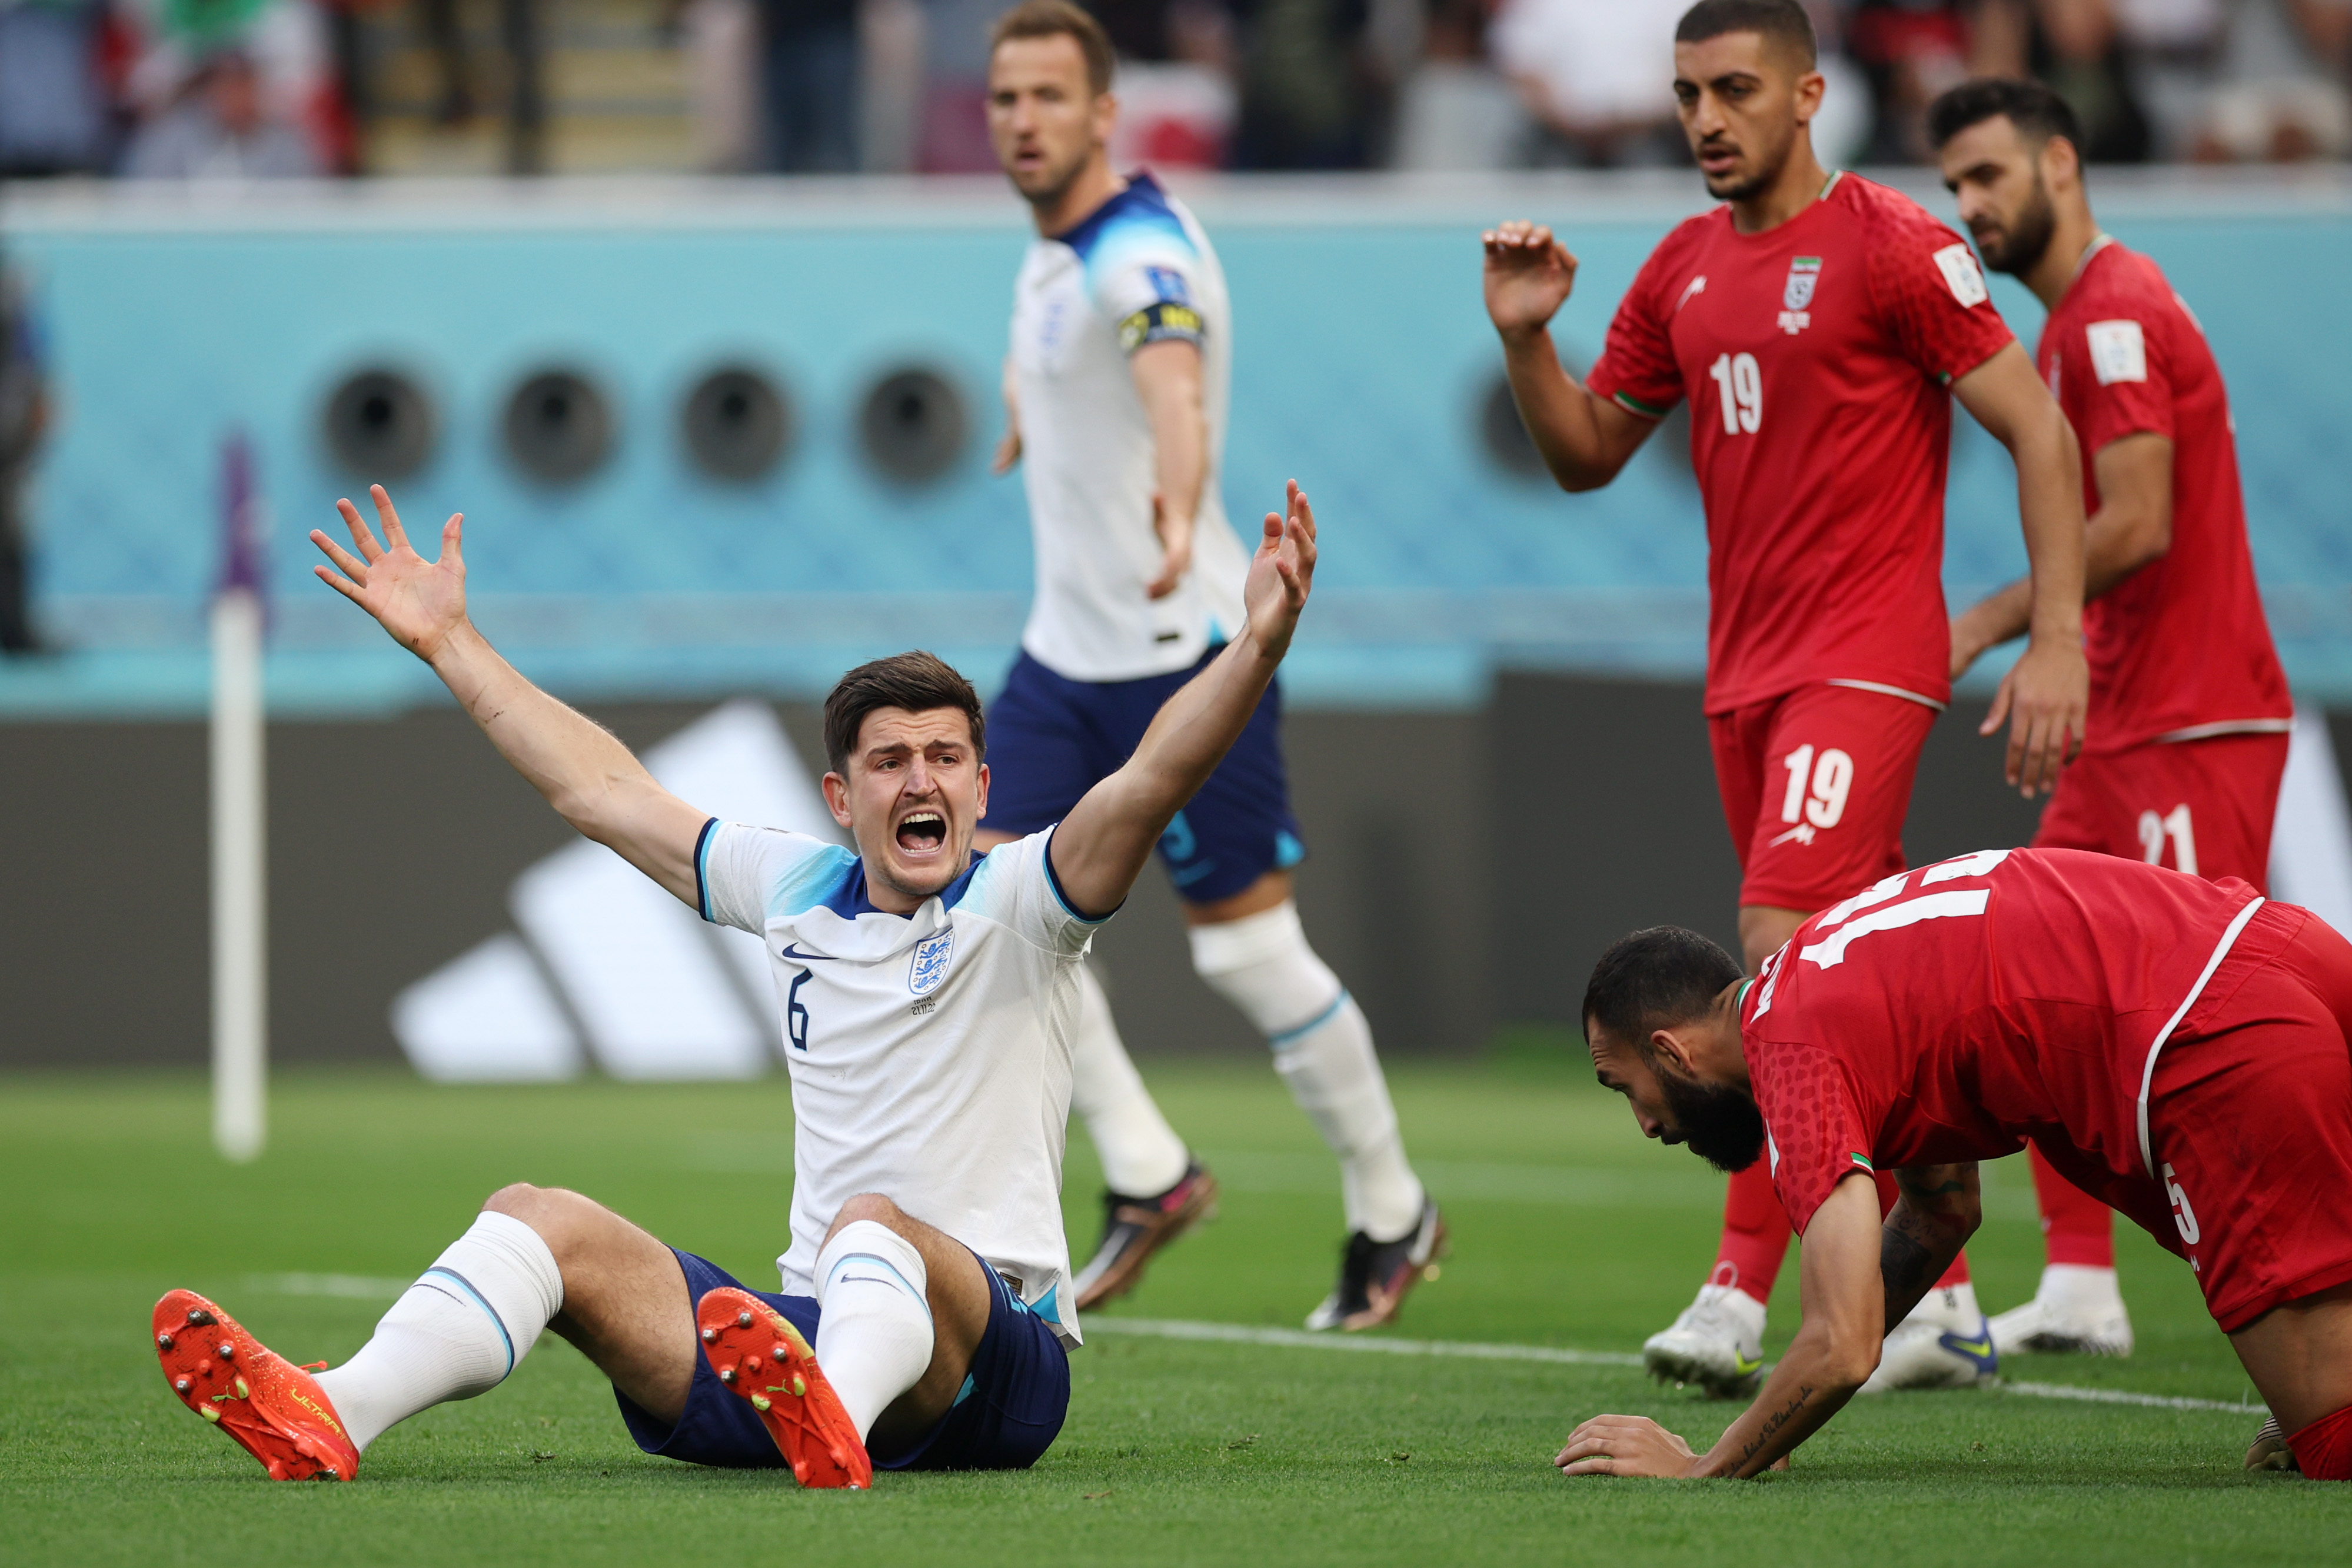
265, 89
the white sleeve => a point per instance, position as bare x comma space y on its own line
743, 875
1016, 887
1149, 291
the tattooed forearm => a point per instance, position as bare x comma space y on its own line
1774, 1422
1903, 1261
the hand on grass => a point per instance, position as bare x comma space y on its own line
1626, 1446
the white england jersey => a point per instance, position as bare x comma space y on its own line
1138, 271
930, 1053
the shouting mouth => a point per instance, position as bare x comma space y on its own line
921, 833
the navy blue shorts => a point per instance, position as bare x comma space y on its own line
1009, 1413
1051, 739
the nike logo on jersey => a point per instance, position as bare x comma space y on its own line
791, 951
1802, 832
1696, 285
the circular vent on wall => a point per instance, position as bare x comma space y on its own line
559, 427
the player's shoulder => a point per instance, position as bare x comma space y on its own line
2118, 281
1693, 234
1140, 222
1882, 211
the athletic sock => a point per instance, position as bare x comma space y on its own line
457, 1332
1755, 1235
873, 1337
1323, 1049
1141, 1155
2076, 1229
2323, 1451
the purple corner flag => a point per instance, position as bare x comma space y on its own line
241, 563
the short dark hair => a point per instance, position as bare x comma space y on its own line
1781, 22
918, 682
1059, 19
2038, 112
1655, 979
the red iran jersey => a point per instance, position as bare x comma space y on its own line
2180, 649
1815, 356
1954, 1012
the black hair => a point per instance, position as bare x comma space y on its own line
1655, 979
2038, 112
918, 682
1780, 22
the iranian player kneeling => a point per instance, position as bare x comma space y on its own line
2175, 1047
929, 999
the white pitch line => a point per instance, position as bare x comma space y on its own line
1295, 1339
2124, 1397
1238, 1333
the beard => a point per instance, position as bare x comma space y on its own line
2019, 248
1721, 1125
1765, 173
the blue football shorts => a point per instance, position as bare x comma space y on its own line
1009, 1413
1051, 739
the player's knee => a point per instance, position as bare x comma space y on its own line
871, 1206
564, 1218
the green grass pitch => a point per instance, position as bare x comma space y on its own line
1569, 1231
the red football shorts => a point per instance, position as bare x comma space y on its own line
2204, 807
2251, 1122
1815, 786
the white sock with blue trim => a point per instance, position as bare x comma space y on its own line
1323, 1049
874, 1340
468, 1322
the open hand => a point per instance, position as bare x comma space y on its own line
1176, 548
1625, 1446
1281, 573
2043, 697
1529, 276
420, 602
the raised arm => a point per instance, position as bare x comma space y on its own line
1585, 440
1100, 847
1168, 379
584, 771
1834, 1352
2045, 693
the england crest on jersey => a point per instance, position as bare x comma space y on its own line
1805, 276
932, 956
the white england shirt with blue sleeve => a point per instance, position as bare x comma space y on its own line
1138, 271
930, 1053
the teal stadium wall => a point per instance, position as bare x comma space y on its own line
1363, 356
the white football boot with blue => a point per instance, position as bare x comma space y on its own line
1946, 1343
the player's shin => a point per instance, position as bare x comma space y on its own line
1323, 1049
1141, 1155
457, 1332
874, 1338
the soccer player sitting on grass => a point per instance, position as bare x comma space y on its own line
2175, 1047
929, 996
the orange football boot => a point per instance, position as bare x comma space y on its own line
275, 1410
761, 1357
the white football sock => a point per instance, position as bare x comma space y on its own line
468, 1322
1323, 1049
874, 1340
1141, 1155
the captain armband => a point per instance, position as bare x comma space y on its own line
1160, 322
